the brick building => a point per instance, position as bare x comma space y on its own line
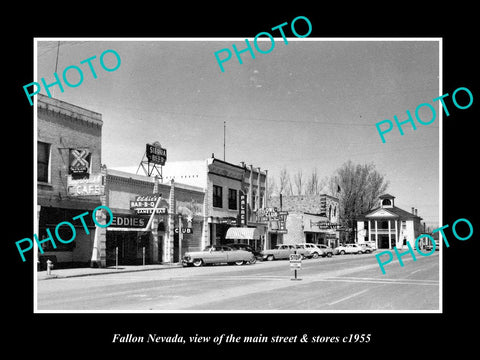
68, 155
165, 241
71, 180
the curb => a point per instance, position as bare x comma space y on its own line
107, 272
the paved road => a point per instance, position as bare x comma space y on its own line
348, 282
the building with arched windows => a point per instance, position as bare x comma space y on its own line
387, 226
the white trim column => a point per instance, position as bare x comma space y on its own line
396, 234
369, 230
376, 234
389, 236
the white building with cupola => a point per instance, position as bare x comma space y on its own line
387, 226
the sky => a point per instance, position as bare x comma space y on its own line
311, 103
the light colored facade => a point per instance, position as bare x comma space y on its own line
388, 226
224, 184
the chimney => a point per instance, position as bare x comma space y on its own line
413, 210
416, 212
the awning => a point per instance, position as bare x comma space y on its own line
242, 233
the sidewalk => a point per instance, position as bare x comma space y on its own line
86, 271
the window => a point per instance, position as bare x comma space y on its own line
43, 159
232, 199
386, 202
217, 196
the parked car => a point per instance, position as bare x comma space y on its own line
348, 249
283, 252
316, 250
218, 254
326, 250
429, 246
238, 246
367, 249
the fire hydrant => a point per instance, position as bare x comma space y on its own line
49, 266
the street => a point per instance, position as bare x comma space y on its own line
343, 283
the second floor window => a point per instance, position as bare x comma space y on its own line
217, 196
232, 199
43, 159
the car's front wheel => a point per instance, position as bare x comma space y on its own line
329, 254
239, 262
315, 255
342, 252
253, 260
270, 257
197, 262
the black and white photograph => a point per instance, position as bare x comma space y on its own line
226, 181
202, 183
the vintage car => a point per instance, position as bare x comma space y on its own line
240, 246
366, 248
326, 250
316, 250
283, 252
218, 254
348, 249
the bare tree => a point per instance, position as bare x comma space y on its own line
285, 186
271, 187
313, 184
358, 188
298, 180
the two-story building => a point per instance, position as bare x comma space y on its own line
388, 226
68, 177
233, 196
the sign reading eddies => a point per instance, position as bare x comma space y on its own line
144, 204
156, 154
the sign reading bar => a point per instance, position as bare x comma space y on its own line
156, 154
144, 204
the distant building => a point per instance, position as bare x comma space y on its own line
310, 218
387, 226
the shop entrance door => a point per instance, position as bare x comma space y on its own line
126, 242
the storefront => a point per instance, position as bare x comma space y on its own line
136, 236
245, 235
